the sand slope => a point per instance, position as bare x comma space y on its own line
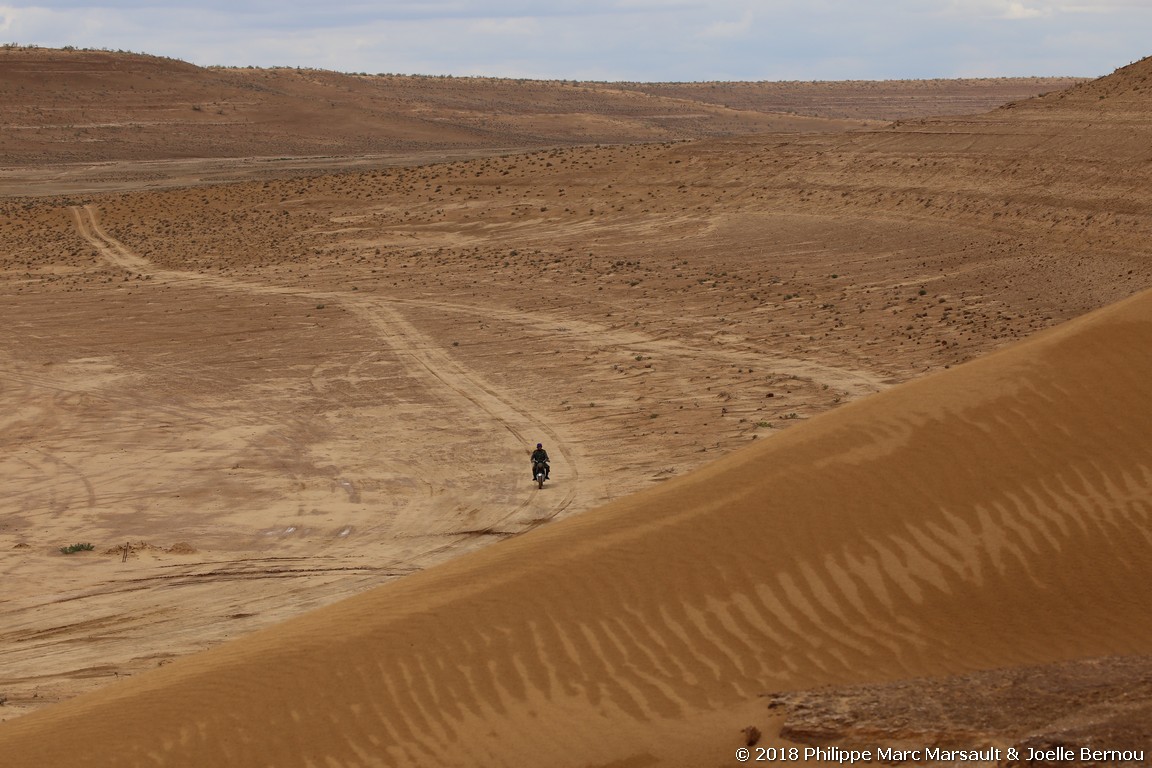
991, 515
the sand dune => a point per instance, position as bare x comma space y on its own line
991, 515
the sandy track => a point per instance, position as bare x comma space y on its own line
437, 366
856, 382
88, 225
426, 361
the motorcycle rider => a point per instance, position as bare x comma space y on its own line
540, 455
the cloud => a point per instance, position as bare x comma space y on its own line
729, 29
1021, 11
1035, 9
612, 39
46, 26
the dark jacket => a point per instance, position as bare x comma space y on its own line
539, 455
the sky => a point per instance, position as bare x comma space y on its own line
614, 40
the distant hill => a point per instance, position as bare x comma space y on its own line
91, 106
1128, 87
866, 99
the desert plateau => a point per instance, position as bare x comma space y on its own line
845, 387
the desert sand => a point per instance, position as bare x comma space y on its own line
828, 408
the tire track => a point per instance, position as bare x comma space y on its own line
430, 362
421, 356
88, 225
166, 414
857, 382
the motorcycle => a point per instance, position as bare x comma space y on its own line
540, 472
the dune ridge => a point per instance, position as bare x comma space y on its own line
994, 514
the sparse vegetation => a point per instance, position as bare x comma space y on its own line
73, 548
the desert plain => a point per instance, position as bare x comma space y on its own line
845, 387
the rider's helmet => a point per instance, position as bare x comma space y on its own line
539, 445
